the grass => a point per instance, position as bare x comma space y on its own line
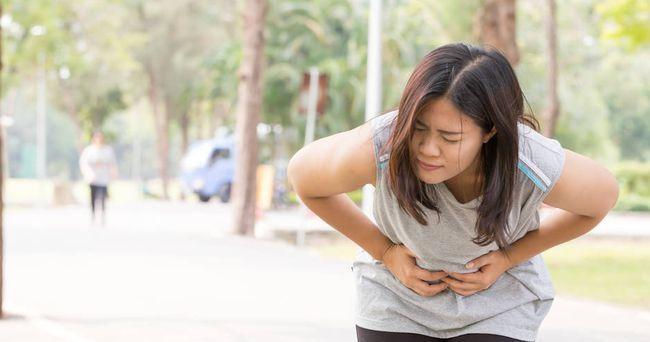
615, 271
610, 270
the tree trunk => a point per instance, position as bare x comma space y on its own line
71, 111
553, 103
218, 117
184, 122
162, 131
249, 103
2, 181
495, 25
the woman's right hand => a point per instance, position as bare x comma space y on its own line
400, 261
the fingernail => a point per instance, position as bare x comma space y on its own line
470, 265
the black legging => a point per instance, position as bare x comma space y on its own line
365, 335
98, 194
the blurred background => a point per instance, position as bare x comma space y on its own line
204, 102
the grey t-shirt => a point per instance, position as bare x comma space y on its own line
513, 306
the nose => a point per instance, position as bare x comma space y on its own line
428, 147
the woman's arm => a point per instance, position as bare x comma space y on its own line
86, 170
324, 171
583, 195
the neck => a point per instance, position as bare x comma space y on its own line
468, 184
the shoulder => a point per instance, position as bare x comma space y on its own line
384, 121
334, 164
541, 159
382, 126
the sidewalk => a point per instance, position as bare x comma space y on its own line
170, 272
304, 306
165, 272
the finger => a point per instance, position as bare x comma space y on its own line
457, 284
480, 261
474, 277
424, 289
423, 274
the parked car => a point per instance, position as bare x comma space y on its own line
207, 169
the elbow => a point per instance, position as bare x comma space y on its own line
610, 195
614, 193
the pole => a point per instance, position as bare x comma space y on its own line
312, 101
373, 82
136, 160
41, 122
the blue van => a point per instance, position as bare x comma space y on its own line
207, 169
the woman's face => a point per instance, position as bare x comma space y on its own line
446, 142
98, 138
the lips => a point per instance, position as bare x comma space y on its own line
428, 167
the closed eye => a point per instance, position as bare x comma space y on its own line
450, 141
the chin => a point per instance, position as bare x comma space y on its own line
429, 179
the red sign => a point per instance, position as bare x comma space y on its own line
321, 104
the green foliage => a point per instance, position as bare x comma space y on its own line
634, 184
105, 104
633, 202
604, 92
625, 22
623, 82
82, 57
583, 125
194, 49
634, 178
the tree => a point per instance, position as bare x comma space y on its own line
552, 101
249, 103
495, 25
155, 57
174, 56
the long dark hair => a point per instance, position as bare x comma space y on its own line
482, 85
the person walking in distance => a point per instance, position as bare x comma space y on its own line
98, 167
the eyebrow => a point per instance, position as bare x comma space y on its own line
439, 130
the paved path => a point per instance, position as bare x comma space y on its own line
171, 272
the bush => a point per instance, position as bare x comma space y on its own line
634, 182
633, 178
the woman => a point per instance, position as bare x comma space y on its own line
459, 172
98, 168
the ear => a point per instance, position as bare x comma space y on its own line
489, 135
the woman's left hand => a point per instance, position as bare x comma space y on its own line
490, 267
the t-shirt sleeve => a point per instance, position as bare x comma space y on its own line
540, 164
541, 160
381, 128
